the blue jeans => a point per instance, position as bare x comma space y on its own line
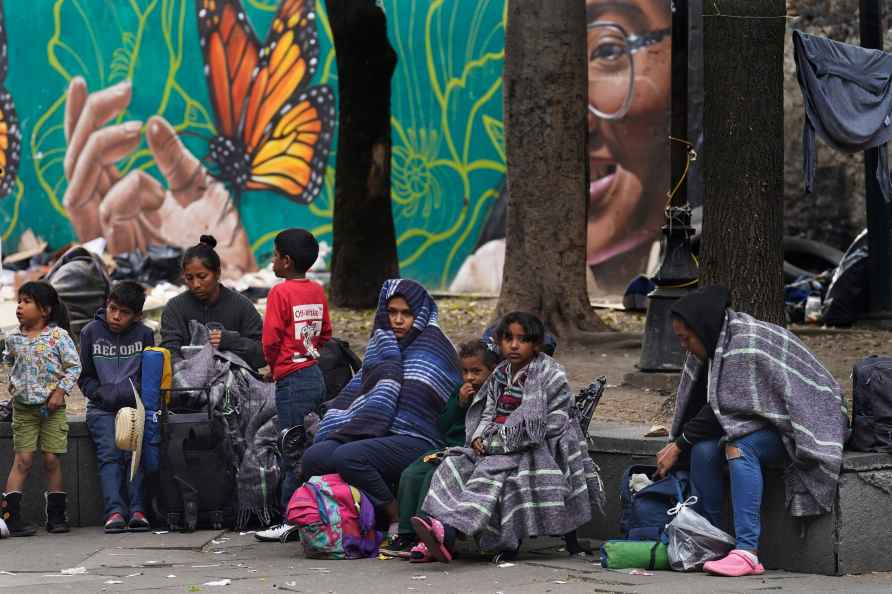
708, 483
296, 394
119, 493
370, 465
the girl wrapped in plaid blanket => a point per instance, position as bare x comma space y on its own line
525, 469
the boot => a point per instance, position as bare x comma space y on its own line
56, 516
12, 515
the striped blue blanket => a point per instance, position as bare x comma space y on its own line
404, 383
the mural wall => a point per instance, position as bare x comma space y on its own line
154, 121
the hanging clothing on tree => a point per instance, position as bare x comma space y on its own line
848, 101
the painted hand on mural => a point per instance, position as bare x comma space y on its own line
135, 210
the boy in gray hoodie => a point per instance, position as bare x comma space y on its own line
111, 356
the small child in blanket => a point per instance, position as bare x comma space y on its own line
478, 359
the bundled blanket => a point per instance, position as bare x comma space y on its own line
403, 384
247, 407
540, 480
761, 376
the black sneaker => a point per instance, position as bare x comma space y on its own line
138, 523
398, 546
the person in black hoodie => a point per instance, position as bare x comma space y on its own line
697, 320
233, 321
111, 355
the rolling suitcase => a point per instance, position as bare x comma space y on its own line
197, 482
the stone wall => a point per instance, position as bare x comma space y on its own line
834, 213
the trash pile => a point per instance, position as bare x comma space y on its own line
835, 297
83, 274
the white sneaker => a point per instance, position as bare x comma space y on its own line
277, 533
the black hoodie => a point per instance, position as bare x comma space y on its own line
703, 311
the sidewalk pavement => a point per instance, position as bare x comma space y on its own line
97, 562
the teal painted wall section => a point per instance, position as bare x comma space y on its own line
448, 154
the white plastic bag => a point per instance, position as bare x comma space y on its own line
693, 540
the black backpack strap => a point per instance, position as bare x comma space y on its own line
176, 457
653, 557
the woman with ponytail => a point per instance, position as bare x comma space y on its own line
45, 368
232, 320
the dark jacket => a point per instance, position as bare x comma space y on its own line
703, 311
110, 361
848, 101
242, 324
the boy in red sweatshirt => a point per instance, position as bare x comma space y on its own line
295, 327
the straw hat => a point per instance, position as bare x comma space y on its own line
130, 424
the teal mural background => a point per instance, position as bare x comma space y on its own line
448, 144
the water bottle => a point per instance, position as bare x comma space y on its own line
813, 309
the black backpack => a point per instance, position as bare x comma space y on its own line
872, 405
338, 364
644, 514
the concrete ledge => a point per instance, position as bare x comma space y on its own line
80, 474
851, 539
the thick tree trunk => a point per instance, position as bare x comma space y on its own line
743, 154
364, 252
545, 135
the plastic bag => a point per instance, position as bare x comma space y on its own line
693, 540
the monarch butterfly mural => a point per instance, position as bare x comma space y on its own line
274, 129
153, 122
10, 133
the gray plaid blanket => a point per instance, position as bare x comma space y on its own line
761, 377
540, 480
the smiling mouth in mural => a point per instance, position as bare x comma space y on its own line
602, 175
274, 129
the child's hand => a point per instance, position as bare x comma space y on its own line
215, 337
477, 445
56, 400
466, 393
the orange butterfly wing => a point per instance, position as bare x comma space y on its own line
292, 158
231, 54
287, 127
287, 62
10, 132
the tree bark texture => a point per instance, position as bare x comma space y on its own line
364, 252
742, 246
546, 94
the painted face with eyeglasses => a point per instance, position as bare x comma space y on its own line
629, 51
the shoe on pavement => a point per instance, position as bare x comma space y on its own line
278, 533
138, 523
398, 545
115, 524
736, 564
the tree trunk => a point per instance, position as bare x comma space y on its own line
742, 246
364, 252
546, 129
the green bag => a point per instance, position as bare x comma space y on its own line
638, 554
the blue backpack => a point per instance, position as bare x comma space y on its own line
644, 514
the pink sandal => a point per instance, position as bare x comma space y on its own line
420, 554
736, 564
432, 534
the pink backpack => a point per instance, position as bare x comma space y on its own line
335, 520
